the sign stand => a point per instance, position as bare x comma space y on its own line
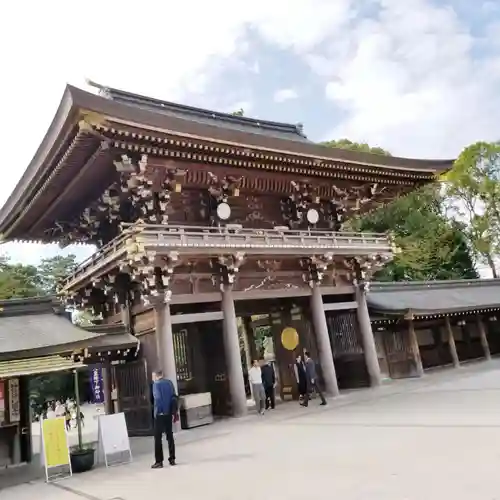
114, 443
54, 449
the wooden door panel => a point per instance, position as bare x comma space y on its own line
135, 397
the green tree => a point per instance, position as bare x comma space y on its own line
431, 246
53, 270
239, 112
18, 280
473, 188
355, 146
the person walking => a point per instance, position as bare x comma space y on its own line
255, 379
165, 414
269, 383
299, 370
312, 379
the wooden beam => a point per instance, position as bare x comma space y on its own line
182, 319
340, 306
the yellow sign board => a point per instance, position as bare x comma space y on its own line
290, 338
55, 442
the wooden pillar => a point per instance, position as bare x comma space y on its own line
323, 341
484, 338
369, 347
232, 351
106, 388
415, 348
451, 343
165, 345
165, 341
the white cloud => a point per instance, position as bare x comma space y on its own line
407, 80
283, 95
44, 46
410, 83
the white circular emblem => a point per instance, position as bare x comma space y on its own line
312, 216
223, 211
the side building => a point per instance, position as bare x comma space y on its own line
38, 337
219, 238
424, 325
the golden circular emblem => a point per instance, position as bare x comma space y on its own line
290, 338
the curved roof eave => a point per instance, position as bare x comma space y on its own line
434, 297
76, 101
147, 118
60, 126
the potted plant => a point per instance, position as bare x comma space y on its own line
82, 457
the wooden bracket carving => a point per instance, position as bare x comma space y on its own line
315, 268
225, 269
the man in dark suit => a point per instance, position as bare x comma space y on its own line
312, 380
269, 383
165, 413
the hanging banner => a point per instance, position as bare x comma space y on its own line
14, 410
96, 385
55, 448
2, 401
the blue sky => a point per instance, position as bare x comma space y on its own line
417, 77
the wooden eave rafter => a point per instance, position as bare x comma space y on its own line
185, 149
410, 315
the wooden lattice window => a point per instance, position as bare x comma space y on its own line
182, 355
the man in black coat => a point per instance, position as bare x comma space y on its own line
269, 383
312, 380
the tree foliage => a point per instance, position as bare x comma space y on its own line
239, 112
473, 188
18, 280
356, 146
53, 270
431, 246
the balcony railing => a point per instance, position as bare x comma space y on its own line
210, 241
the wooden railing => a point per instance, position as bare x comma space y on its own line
186, 238
232, 238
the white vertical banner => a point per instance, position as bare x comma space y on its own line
14, 410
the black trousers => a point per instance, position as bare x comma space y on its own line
163, 424
270, 398
313, 387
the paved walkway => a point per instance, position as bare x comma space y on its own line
434, 438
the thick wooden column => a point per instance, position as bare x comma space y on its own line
165, 345
165, 341
415, 348
323, 340
484, 338
106, 388
451, 343
232, 352
369, 347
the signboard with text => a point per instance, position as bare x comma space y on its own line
55, 448
14, 410
96, 385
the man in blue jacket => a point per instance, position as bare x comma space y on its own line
165, 411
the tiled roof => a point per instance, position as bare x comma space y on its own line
38, 326
433, 297
207, 117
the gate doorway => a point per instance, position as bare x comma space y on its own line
135, 396
347, 349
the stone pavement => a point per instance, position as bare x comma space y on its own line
432, 438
